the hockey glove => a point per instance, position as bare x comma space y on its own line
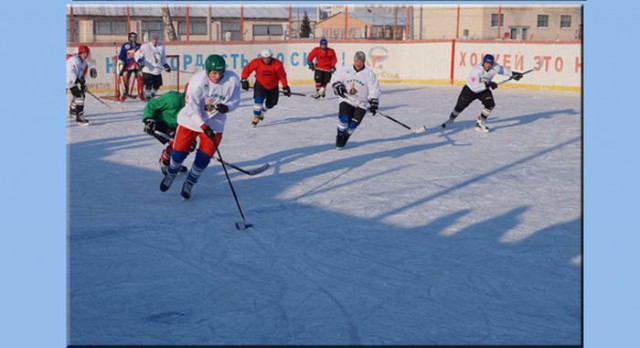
373, 105
149, 126
286, 91
332, 70
222, 108
75, 91
312, 66
339, 89
210, 133
80, 81
167, 68
140, 64
245, 84
491, 85
516, 75
93, 73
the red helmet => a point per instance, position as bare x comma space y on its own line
83, 49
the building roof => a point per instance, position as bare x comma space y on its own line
378, 18
217, 11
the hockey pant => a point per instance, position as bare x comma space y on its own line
467, 96
182, 143
349, 118
76, 108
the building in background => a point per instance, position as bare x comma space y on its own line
211, 23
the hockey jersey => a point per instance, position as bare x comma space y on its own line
325, 59
267, 75
153, 57
128, 52
202, 91
361, 85
479, 76
165, 108
76, 67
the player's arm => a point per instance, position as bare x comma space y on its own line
232, 94
334, 59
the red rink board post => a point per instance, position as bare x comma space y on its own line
170, 81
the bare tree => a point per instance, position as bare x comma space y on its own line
169, 30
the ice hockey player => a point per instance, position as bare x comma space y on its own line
325, 66
357, 86
211, 94
479, 86
160, 118
128, 68
77, 68
151, 60
265, 90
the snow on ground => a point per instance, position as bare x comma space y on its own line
448, 237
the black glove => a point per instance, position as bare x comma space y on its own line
245, 84
312, 66
210, 133
339, 89
373, 105
222, 108
286, 91
491, 85
332, 70
167, 68
516, 75
80, 81
149, 126
93, 73
140, 64
75, 91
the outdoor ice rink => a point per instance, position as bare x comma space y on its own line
446, 237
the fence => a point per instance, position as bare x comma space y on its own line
240, 23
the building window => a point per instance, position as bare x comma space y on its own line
231, 31
513, 35
196, 27
543, 21
565, 21
75, 32
270, 30
110, 27
494, 20
152, 27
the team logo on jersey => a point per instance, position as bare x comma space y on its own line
353, 90
156, 58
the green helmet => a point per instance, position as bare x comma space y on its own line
215, 62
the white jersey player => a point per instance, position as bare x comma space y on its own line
479, 86
210, 96
152, 60
77, 67
359, 90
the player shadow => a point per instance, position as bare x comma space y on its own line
148, 268
494, 123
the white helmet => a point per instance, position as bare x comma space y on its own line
266, 53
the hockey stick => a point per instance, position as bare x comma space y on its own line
281, 91
163, 137
252, 172
416, 131
511, 78
241, 225
100, 100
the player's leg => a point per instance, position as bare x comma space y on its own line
203, 156
464, 99
181, 143
486, 98
345, 114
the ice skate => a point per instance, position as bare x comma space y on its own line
448, 122
481, 126
186, 189
81, 120
167, 181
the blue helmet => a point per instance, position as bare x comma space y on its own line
323, 41
488, 58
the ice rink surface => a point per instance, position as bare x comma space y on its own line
445, 237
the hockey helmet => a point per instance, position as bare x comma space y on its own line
83, 49
323, 41
488, 58
266, 53
215, 62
